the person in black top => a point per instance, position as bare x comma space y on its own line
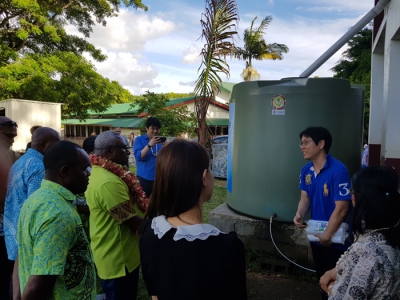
181, 257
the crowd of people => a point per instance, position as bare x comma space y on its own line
154, 221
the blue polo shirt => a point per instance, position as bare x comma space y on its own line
146, 166
330, 185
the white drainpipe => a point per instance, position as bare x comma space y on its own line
345, 38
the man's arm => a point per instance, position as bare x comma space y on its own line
15, 282
120, 205
34, 181
302, 209
334, 222
53, 231
39, 287
134, 223
139, 149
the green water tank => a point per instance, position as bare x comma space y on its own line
264, 157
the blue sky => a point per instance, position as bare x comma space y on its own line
158, 50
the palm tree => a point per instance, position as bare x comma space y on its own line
219, 28
255, 47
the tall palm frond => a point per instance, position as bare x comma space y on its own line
219, 28
255, 46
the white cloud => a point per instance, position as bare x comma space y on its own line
187, 83
191, 55
343, 6
130, 31
307, 40
126, 69
159, 49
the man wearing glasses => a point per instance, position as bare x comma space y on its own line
114, 220
325, 189
8, 131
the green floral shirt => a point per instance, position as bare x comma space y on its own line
52, 241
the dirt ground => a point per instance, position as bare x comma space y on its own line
279, 287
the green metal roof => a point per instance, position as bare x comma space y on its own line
227, 87
129, 122
118, 122
179, 100
117, 109
126, 109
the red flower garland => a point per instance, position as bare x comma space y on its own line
135, 190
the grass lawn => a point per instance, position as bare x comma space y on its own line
218, 197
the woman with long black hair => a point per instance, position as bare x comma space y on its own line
370, 268
181, 257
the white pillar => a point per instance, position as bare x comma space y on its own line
391, 103
376, 100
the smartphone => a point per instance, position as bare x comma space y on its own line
161, 138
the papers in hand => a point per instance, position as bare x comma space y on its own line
318, 227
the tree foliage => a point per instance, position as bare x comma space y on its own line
255, 47
174, 120
355, 65
173, 95
37, 26
62, 78
219, 29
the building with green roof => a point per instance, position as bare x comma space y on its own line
129, 120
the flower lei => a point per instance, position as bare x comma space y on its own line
135, 190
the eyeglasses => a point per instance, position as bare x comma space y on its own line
9, 123
124, 148
304, 143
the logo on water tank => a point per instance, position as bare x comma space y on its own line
278, 103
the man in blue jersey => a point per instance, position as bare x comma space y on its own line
325, 189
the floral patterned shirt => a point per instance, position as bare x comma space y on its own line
370, 269
52, 241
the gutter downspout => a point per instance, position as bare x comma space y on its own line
379, 7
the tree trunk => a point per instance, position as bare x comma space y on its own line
201, 107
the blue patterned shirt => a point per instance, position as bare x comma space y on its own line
24, 178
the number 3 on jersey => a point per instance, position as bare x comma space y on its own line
343, 190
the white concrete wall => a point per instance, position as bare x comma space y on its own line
223, 97
385, 88
28, 113
391, 101
376, 110
214, 112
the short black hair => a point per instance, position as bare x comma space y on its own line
318, 134
60, 154
375, 189
153, 122
88, 144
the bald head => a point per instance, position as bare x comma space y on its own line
43, 138
4, 119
